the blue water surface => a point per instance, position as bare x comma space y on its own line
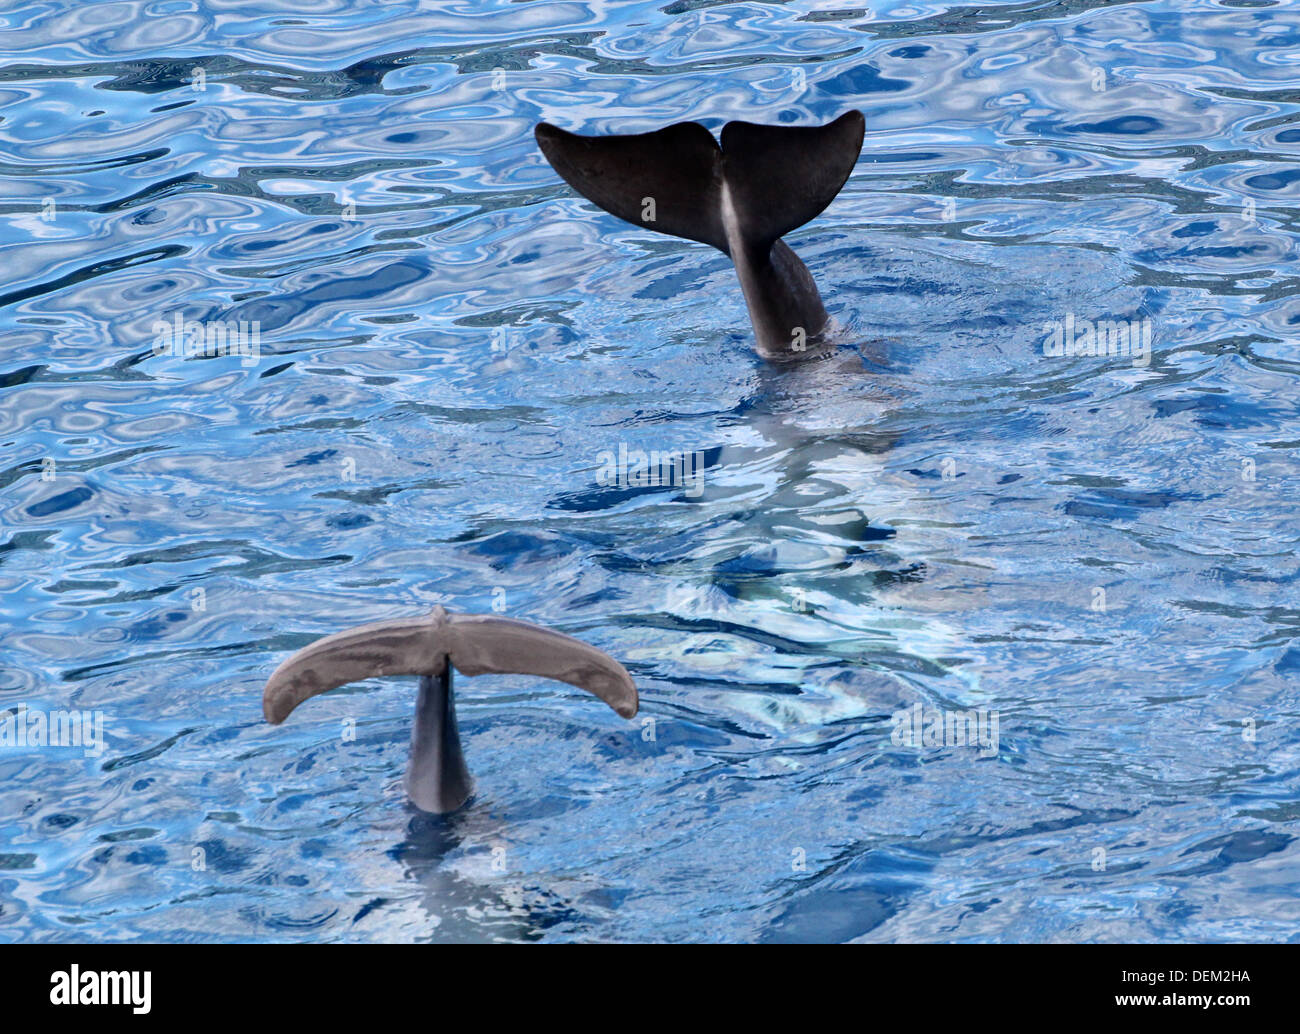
1101, 552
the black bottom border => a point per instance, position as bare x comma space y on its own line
338, 983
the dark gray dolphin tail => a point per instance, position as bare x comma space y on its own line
784, 176
437, 779
669, 180
741, 197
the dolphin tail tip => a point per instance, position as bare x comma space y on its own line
668, 180
781, 177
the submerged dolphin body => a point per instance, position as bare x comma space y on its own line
437, 779
742, 198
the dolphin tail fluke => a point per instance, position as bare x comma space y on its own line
776, 177
669, 180
781, 177
437, 779
486, 645
409, 646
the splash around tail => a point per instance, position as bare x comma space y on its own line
741, 197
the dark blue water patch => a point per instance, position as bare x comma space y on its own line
68, 500
377, 495
678, 283
1177, 912
26, 540
293, 802
153, 856
607, 898
1276, 180
901, 157
128, 835
313, 848
12, 378
1197, 229
259, 245
507, 549
296, 924
154, 627
141, 756
1236, 849
91, 272
673, 732
148, 217
158, 190
348, 521
883, 658
868, 796
1118, 504
910, 574
860, 80
163, 285
1289, 661
218, 736
370, 906
854, 896
833, 915
920, 287
1155, 256
1247, 578
275, 313
607, 498
312, 459
953, 842
173, 105
1121, 125
1077, 877
1126, 125
1213, 409
161, 74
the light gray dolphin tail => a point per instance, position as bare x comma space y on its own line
741, 197
474, 644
